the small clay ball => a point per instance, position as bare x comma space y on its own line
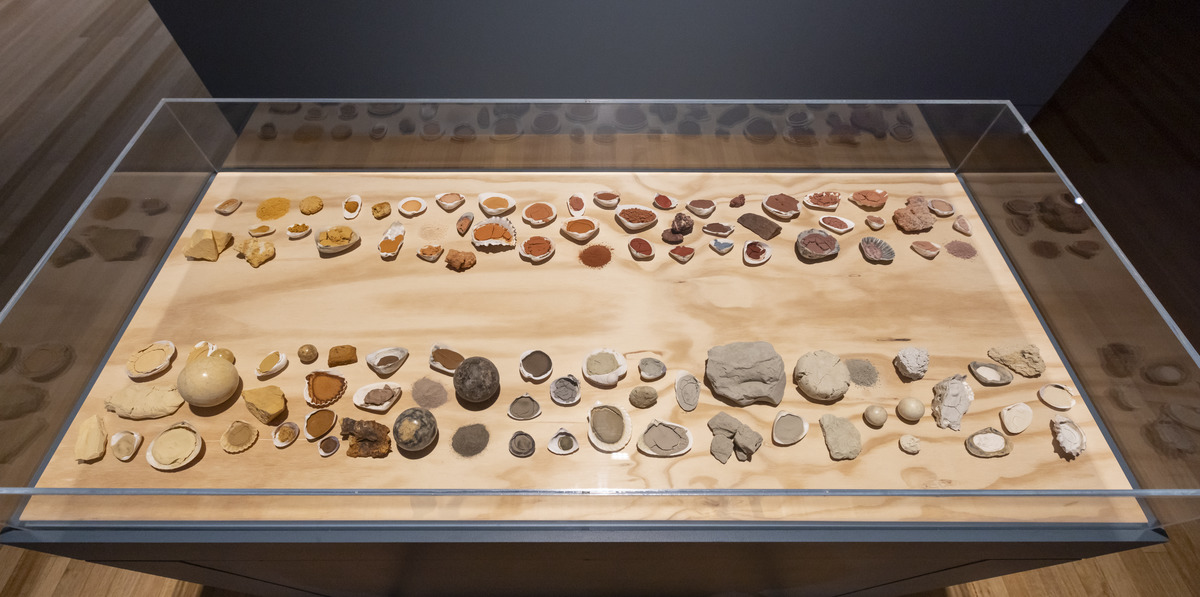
651, 369
224, 353
307, 353
476, 380
414, 429
208, 381
875, 416
643, 397
910, 409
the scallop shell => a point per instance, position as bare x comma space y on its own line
580, 236
626, 434
228, 206
608, 203
766, 256
537, 409
702, 212
283, 444
562, 399
606, 379
261, 230
396, 230
301, 234
360, 396
1068, 436
495, 242
536, 223
538, 258
827, 223
279, 365
1016, 418
411, 213
673, 202
641, 256
202, 348
644, 448
432, 257
631, 226
186, 461
876, 250
313, 438
988, 443
682, 254
554, 444
1057, 396
333, 442
576, 212
809, 202
159, 368
229, 446
449, 201
354, 240
348, 214
436, 366
373, 359
137, 443
788, 441
527, 375
511, 203
314, 402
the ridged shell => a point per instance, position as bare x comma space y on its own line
537, 409
787, 441
606, 379
431, 255
632, 226
495, 242
409, 211
582, 205
580, 236
567, 393
166, 345
227, 443
644, 447
328, 446
554, 445
1068, 436
491, 211
315, 403
279, 443
373, 359
722, 247
536, 258
626, 434
312, 438
529, 376
988, 443
187, 460
876, 250
449, 201
261, 230
606, 202
280, 364
137, 443
1057, 396
536, 223
334, 250
831, 223
766, 256
347, 213
298, 234
360, 396
394, 231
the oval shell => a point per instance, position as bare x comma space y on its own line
137, 443
1016, 418
430, 252
788, 440
529, 376
941, 208
580, 236
394, 232
463, 225
308, 382
360, 396
766, 255
810, 201
164, 347
449, 201
836, 224
187, 459
1057, 396
495, 242
536, 258
228, 206
582, 205
606, 199
664, 202
353, 201
522, 445
815, 244
626, 433
989, 374
682, 254
701, 211
509, 203
562, 443
542, 222
261, 230
374, 360
411, 207
610, 378
200, 349
519, 414
643, 445
641, 256
335, 249
281, 362
329, 446
634, 226
566, 390
988, 443
435, 365
718, 229
314, 437
281, 442
234, 445
876, 250
301, 231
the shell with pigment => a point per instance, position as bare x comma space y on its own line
351, 206
787, 439
562, 443
876, 250
118, 436
499, 242
449, 201
581, 235
183, 462
494, 204
601, 414
606, 199
285, 434
1068, 436
536, 258
309, 380
646, 444
386, 361
393, 233
298, 231
836, 224
166, 350
538, 222
280, 362
605, 378
762, 258
375, 405
1057, 396
988, 443
622, 218
335, 249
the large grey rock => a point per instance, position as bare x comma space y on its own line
746, 372
912, 363
822, 376
841, 438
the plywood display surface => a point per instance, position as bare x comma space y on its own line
504, 306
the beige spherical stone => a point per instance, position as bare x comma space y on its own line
208, 381
875, 416
910, 409
224, 353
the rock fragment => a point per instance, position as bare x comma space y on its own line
952, 398
912, 363
265, 403
841, 438
368, 439
1023, 359
914, 216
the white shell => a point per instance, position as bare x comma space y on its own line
337, 443
808, 201
256, 232
673, 205
409, 213
875, 224
782, 414
333, 372
1057, 396
761, 260
849, 224
581, 237
161, 366
536, 223
630, 226
431, 258
280, 443
528, 376
682, 258
346, 213
495, 212
137, 443
539, 258
782, 215
644, 448
941, 212
640, 256
620, 443
206, 346
495, 242
228, 206
1016, 418
702, 212
609, 204
299, 235
313, 438
396, 230
186, 461
1068, 436
448, 203
731, 227
436, 366
579, 212
567, 400
535, 415
401, 355
360, 396
276, 368
354, 240
552, 445
607, 379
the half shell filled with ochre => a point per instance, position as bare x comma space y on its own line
988, 443
539, 213
176, 447
329, 446
411, 207
298, 231
151, 360
635, 218
788, 428
756, 252
336, 239
124, 445
202, 348
662, 439
271, 364
604, 367
449, 201
351, 206
318, 423
494, 233
495, 204
393, 239
606, 199
576, 205
536, 249
377, 397
260, 230
444, 359
562, 443
580, 229
285, 434
609, 427
324, 387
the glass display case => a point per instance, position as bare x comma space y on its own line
628, 337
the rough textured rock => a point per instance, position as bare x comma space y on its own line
144, 401
841, 438
255, 251
643, 397
822, 376
910, 444
746, 442
368, 439
912, 363
760, 225
732, 437
265, 403
746, 372
724, 425
951, 399
721, 448
476, 380
1025, 360
914, 216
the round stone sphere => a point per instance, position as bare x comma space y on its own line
910, 409
414, 429
875, 416
477, 380
208, 381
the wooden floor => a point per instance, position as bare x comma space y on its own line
80, 76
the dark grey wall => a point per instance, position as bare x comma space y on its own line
701, 49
